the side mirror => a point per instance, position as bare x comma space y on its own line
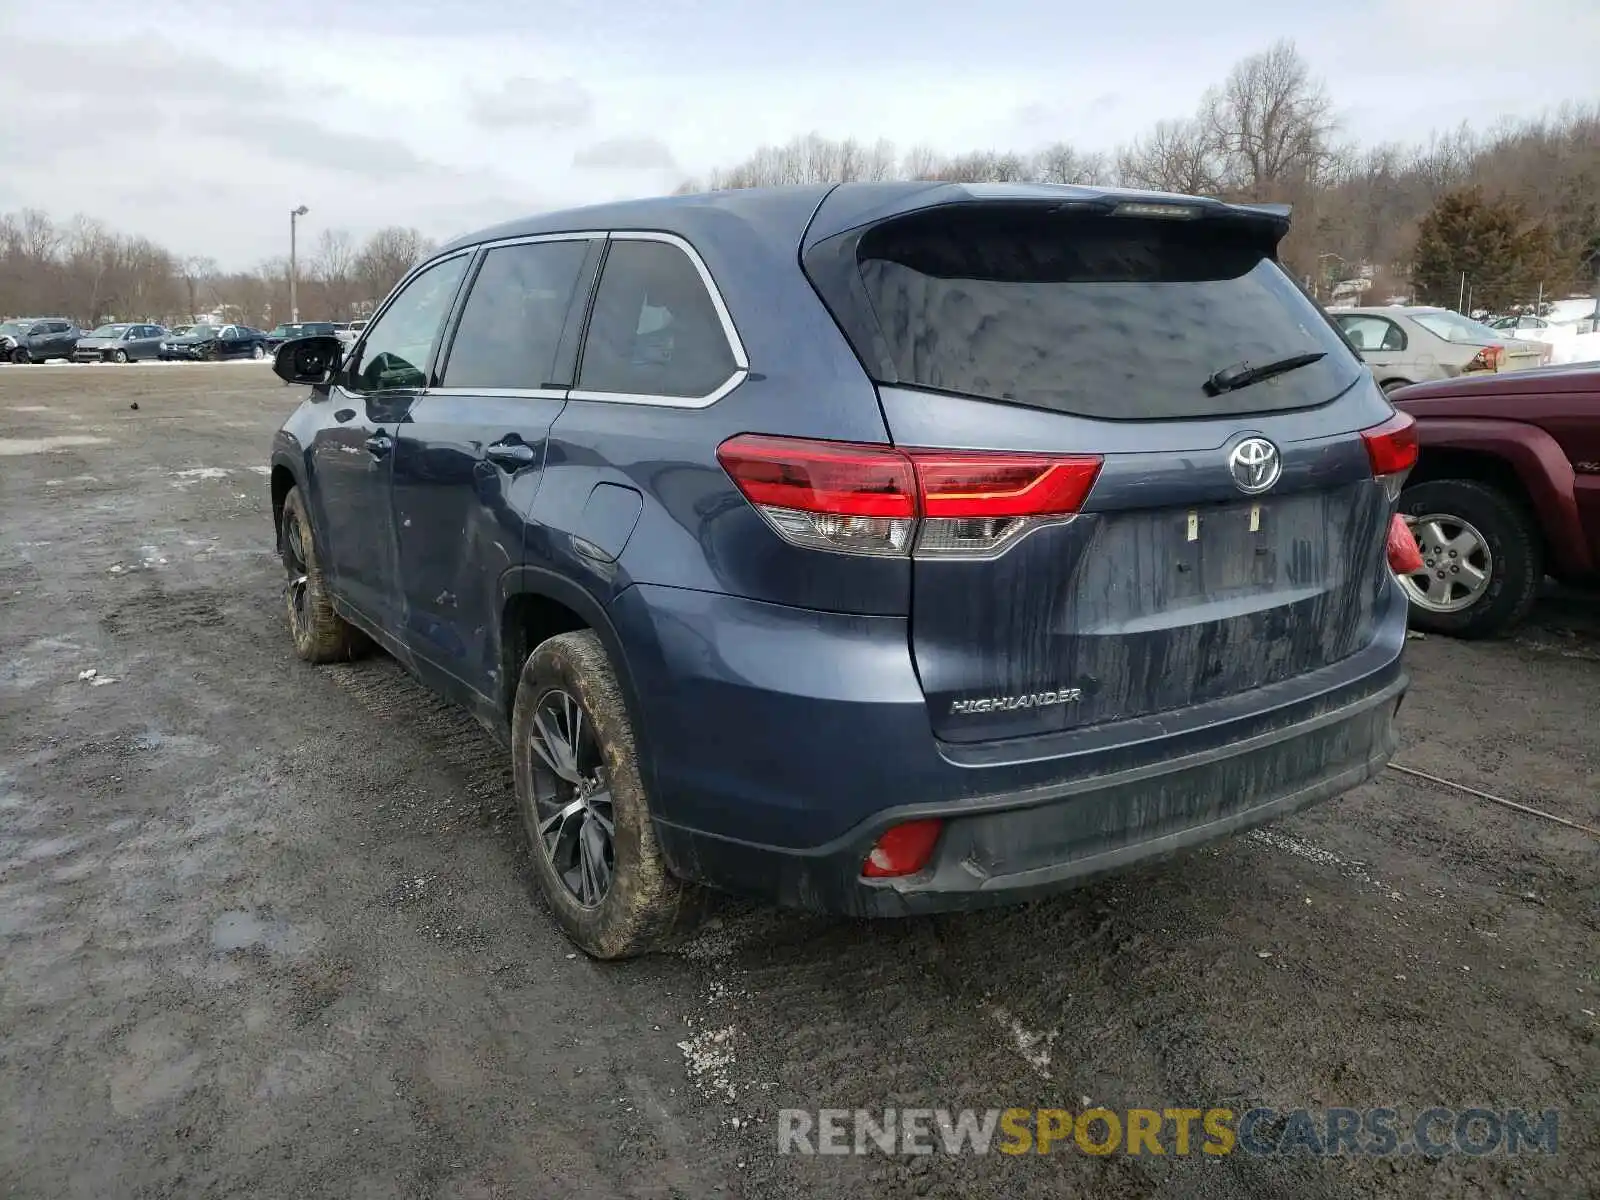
309, 360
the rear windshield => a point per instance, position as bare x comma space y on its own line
1118, 318
1453, 327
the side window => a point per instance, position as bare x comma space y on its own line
395, 353
1372, 333
655, 331
511, 325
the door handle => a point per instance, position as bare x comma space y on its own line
380, 444
510, 455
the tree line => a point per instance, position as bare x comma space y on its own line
1508, 212
85, 270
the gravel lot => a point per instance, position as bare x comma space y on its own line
256, 939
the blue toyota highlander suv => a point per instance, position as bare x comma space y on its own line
878, 548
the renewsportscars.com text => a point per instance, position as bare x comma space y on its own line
1331, 1132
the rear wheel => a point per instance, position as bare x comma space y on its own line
320, 634
582, 801
257, 352
1482, 561
1390, 386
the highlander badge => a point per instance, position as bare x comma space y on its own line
1007, 703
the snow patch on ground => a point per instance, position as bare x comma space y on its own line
1581, 348
183, 479
1279, 840
1032, 1046
18, 447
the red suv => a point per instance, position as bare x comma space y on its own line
1507, 491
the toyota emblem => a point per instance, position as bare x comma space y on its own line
1255, 465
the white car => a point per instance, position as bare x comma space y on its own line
1536, 329
349, 333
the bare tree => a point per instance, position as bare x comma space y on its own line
1061, 163
334, 268
1271, 125
1176, 156
386, 257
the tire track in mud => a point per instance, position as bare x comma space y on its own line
480, 766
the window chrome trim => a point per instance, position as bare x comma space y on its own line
730, 331
500, 393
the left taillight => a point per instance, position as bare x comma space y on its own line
1392, 450
880, 500
1487, 359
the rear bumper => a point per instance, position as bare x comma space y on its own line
1007, 848
780, 743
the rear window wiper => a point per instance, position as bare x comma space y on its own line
1243, 374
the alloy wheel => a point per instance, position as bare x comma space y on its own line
1457, 565
297, 588
574, 816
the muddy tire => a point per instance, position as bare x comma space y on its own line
1504, 542
320, 634
576, 771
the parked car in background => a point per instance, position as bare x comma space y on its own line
822, 543
214, 343
1410, 344
296, 329
1507, 490
120, 343
35, 339
350, 332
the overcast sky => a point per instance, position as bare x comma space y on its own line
200, 125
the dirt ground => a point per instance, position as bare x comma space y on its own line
256, 940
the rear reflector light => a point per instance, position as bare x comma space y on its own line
1392, 449
902, 849
1405, 558
880, 500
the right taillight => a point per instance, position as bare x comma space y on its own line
1392, 449
864, 499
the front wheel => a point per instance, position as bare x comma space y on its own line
20, 356
257, 352
583, 804
119, 356
1482, 559
320, 634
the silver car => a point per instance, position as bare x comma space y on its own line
1405, 344
121, 342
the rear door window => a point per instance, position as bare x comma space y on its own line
510, 328
1369, 333
655, 330
1120, 318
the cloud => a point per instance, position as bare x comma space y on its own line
297, 139
627, 153
524, 101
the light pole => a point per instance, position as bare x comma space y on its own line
294, 301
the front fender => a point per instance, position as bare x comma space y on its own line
1541, 466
